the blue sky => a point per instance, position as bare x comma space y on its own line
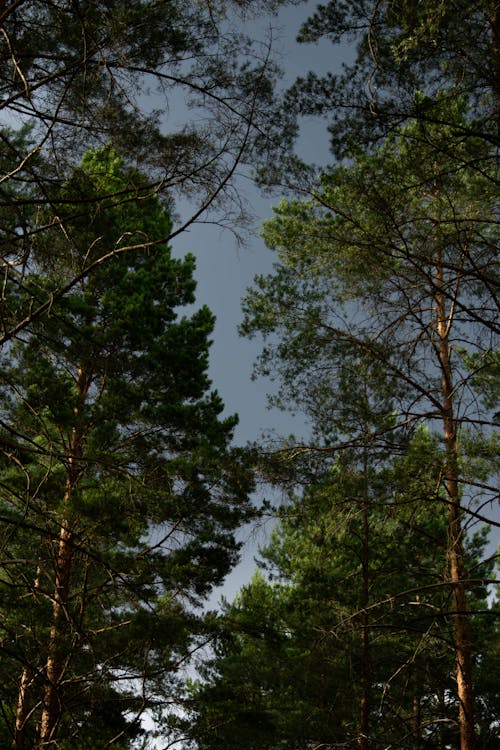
225, 270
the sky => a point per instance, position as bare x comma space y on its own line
225, 270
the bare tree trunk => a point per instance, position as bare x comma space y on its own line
59, 650
57, 660
364, 725
24, 697
455, 531
23, 709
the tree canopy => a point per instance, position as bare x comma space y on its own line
120, 493
373, 622
346, 642
408, 57
174, 87
391, 260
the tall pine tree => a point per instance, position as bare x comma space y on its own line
394, 256
119, 492
348, 642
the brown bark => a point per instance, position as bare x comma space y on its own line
455, 532
60, 650
24, 697
364, 725
23, 709
57, 660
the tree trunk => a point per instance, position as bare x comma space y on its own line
455, 533
60, 649
23, 709
24, 697
364, 724
57, 659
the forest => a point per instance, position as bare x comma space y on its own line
372, 618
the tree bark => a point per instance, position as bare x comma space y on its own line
22, 710
57, 660
364, 725
59, 650
24, 696
455, 532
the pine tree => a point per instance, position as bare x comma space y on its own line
291, 667
394, 257
119, 490
407, 58
83, 74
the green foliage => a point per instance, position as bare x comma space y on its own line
408, 56
113, 438
356, 275
287, 664
79, 75
379, 322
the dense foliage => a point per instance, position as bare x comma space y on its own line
176, 89
119, 494
380, 320
348, 642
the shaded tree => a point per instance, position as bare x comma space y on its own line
173, 86
394, 256
289, 666
406, 58
119, 492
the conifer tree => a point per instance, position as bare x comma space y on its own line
291, 667
119, 492
394, 256
177, 90
407, 57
